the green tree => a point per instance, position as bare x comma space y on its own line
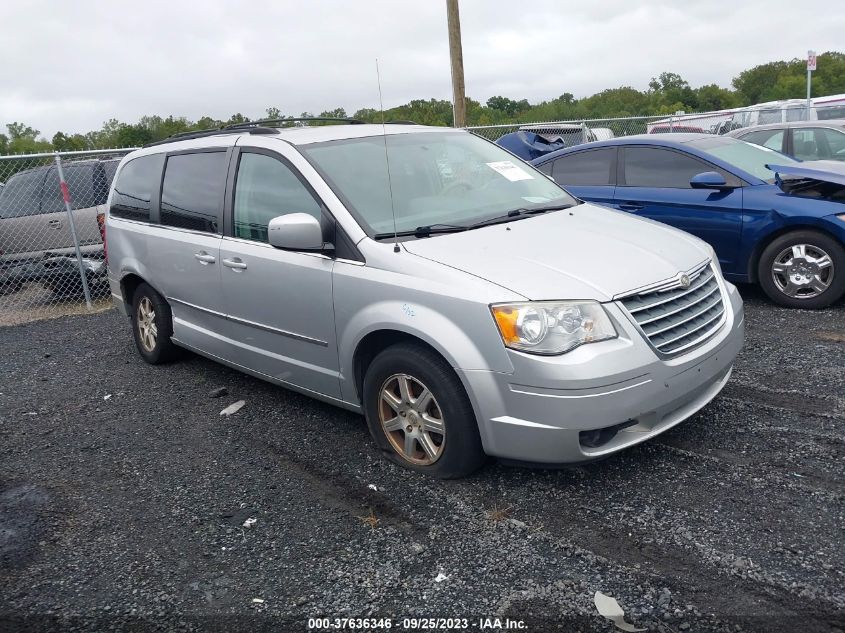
712, 97
69, 143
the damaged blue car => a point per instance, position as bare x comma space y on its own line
771, 219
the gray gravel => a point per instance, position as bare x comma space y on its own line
123, 495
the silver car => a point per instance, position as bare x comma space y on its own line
458, 298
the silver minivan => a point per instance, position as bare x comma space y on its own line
458, 298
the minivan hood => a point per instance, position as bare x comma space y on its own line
586, 252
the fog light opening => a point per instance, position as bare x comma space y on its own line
599, 437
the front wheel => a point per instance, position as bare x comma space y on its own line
803, 269
419, 414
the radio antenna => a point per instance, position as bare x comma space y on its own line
387, 160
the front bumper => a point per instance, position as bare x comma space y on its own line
544, 410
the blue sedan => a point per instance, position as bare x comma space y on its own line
771, 219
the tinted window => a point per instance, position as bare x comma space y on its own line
585, 168
267, 188
193, 190
80, 184
653, 167
134, 187
22, 194
773, 139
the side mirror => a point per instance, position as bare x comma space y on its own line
709, 180
296, 232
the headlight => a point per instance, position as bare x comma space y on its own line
841, 216
552, 327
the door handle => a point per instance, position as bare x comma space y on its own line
631, 206
204, 258
235, 262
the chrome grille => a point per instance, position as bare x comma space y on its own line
674, 318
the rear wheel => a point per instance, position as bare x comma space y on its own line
803, 269
419, 414
152, 326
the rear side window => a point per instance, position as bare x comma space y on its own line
134, 188
585, 168
80, 184
773, 139
22, 194
655, 167
267, 188
192, 192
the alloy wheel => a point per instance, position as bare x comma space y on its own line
146, 324
412, 419
803, 271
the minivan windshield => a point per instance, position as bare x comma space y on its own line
450, 179
745, 156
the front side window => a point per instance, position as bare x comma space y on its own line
818, 143
266, 188
805, 145
656, 167
133, 189
585, 168
773, 139
451, 178
22, 194
192, 191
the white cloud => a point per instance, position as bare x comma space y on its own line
70, 66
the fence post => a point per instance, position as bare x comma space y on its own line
66, 198
671, 124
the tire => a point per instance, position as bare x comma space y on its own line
791, 276
454, 452
154, 343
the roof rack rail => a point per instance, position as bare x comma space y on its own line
296, 119
253, 127
215, 131
401, 122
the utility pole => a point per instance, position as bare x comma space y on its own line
811, 66
459, 106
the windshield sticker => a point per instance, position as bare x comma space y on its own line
536, 199
510, 171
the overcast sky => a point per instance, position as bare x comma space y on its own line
72, 65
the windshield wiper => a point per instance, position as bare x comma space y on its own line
436, 229
423, 231
513, 214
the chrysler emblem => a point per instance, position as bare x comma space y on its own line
683, 280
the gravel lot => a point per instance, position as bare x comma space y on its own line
123, 493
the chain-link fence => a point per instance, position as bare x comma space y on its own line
51, 248
576, 131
